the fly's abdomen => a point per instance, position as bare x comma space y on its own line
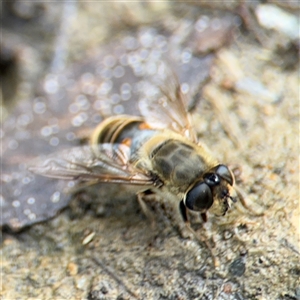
123, 129
113, 129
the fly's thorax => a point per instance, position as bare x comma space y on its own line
175, 160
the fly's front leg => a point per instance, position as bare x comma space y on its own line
202, 238
185, 217
183, 211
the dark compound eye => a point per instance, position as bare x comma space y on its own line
225, 173
211, 179
199, 198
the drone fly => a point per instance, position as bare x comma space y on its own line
157, 153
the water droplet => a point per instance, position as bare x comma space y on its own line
216, 24
51, 85
31, 200
106, 73
27, 211
186, 56
74, 108
83, 102
24, 120
89, 89
202, 23
26, 180
119, 72
17, 192
161, 42
126, 97
39, 107
54, 141
133, 59
130, 43
71, 184
70, 136
32, 216
46, 131
146, 39
109, 61
79, 119
105, 87
144, 53
55, 197
16, 203
126, 88
185, 88
124, 59
96, 118
115, 99
118, 109
138, 70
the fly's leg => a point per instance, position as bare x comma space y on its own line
176, 218
155, 208
185, 217
143, 198
183, 211
201, 238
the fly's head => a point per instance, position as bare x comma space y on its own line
213, 192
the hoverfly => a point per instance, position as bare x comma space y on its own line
158, 153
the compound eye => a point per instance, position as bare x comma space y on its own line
225, 173
211, 179
199, 198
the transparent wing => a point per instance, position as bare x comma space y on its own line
165, 107
99, 163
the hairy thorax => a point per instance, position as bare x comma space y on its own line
176, 162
